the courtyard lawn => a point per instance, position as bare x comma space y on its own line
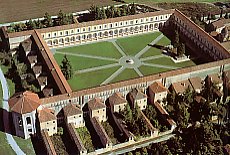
133, 45
79, 63
147, 70
152, 52
126, 74
167, 61
105, 49
91, 79
164, 41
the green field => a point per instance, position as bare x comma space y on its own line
100, 63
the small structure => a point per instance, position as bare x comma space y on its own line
73, 115
23, 106
196, 84
217, 79
137, 97
48, 121
180, 87
97, 109
117, 102
157, 92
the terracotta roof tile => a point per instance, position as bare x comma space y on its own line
46, 115
24, 102
196, 83
117, 99
32, 58
221, 22
157, 87
95, 104
180, 87
71, 110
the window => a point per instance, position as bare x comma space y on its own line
74, 117
89, 29
47, 123
79, 115
28, 120
95, 27
78, 30
155, 18
66, 33
20, 121
103, 109
120, 23
136, 21
131, 22
48, 35
116, 24
83, 29
98, 111
72, 31
29, 130
111, 25
151, 19
61, 33
55, 34
100, 27
48, 129
54, 128
105, 26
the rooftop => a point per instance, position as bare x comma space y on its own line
117, 99
180, 87
95, 104
71, 110
24, 102
46, 115
157, 87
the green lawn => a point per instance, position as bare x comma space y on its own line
167, 61
25, 145
132, 45
79, 63
5, 148
126, 74
152, 52
147, 70
90, 79
105, 49
164, 41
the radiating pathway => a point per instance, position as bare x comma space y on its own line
88, 56
115, 74
122, 61
158, 66
97, 68
6, 120
148, 47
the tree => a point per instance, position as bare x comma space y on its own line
176, 39
62, 18
66, 68
123, 10
133, 9
128, 113
226, 16
102, 14
31, 25
48, 22
118, 12
110, 12
181, 49
39, 24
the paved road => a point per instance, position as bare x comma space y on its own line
148, 47
9, 137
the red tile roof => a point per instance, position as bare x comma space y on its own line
46, 115
157, 87
116, 99
71, 110
95, 104
24, 102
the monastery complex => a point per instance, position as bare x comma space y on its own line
61, 104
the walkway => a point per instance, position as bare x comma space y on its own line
88, 56
9, 137
115, 74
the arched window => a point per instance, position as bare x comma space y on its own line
28, 120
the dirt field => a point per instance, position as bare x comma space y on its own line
15, 10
